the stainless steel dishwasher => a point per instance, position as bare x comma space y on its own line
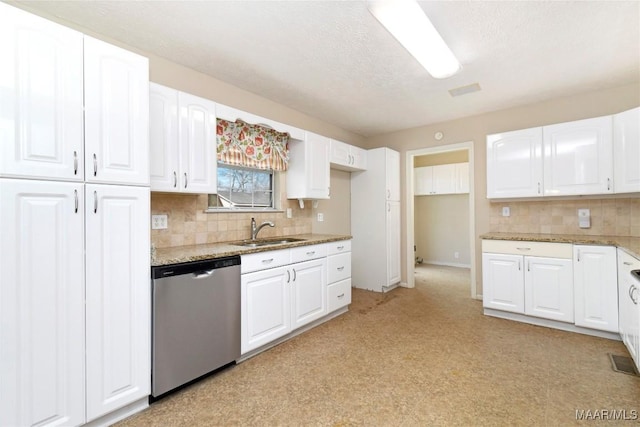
195, 321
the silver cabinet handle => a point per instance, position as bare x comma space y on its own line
388, 194
528, 265
341, 295
95, 165
608, 184
578, 255
75, 163
626, 263
340, 248
523, 249
340, 268
267, 261
632, 289
294, 275
95, 202
175, 179
186, 181
311, 253
75, 194
519, 266
288, 276
538, 188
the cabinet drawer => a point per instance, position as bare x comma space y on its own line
264, 260
338, 267
338, 247
338, 295
305, 253
513, 247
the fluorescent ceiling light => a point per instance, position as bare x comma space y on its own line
407, 22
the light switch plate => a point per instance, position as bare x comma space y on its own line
584, 218
506, 211
159, 222
320, 217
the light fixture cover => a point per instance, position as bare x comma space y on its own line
407, 22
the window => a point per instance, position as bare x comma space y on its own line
243, 188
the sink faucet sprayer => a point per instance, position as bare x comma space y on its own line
255, 230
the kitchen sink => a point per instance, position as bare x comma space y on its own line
266, 242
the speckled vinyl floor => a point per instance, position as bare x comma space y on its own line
413, 357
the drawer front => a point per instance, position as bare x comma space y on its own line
341, 246
305, 253
338, 295
338, 267
542, 249
264, 260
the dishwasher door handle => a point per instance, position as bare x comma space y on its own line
203, 274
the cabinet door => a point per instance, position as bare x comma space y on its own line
266, 307
41, 103
422, 180
340, 154
514, 164
358, 158
393, 243
578, 157
444, 179
596, 287
548, 285
318, 175
626, 151
41, 303
628, 297
198, 167
503, 282
462, 178
118, 297
308, 291
163, 138
392, 162
116, 98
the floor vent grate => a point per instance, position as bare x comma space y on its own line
623, 364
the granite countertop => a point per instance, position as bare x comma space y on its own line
631, 245
180, 254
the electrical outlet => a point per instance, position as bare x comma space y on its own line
289, 213
320, 217
506, 211
456, 255
159, 222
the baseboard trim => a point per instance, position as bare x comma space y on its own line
120, 414
446, 264
523, 318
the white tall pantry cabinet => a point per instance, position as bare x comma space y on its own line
74, 226
375, 222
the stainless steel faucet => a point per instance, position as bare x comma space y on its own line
255, 230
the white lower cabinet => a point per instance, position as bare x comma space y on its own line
539, 284
595, 287
118, 300
286, 289
74, 326
629, 296
42, 330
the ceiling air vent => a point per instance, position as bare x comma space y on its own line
463, 90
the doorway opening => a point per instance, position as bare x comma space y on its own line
463, 257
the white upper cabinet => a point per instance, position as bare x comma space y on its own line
462, 178
183, 142
514, 164
578, 157
441, 179
392, 167
198, 157
116, 114
626, 151
41, 117
347, 157
308, 176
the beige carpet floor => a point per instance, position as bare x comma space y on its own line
413, 357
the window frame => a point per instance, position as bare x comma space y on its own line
213, 198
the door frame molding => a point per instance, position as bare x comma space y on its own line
410, 214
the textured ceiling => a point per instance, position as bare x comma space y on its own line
332, 60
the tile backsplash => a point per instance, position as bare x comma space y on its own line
609, 217
188, 224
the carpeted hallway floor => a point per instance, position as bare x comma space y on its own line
413, 357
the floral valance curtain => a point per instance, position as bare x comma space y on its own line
254, 146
